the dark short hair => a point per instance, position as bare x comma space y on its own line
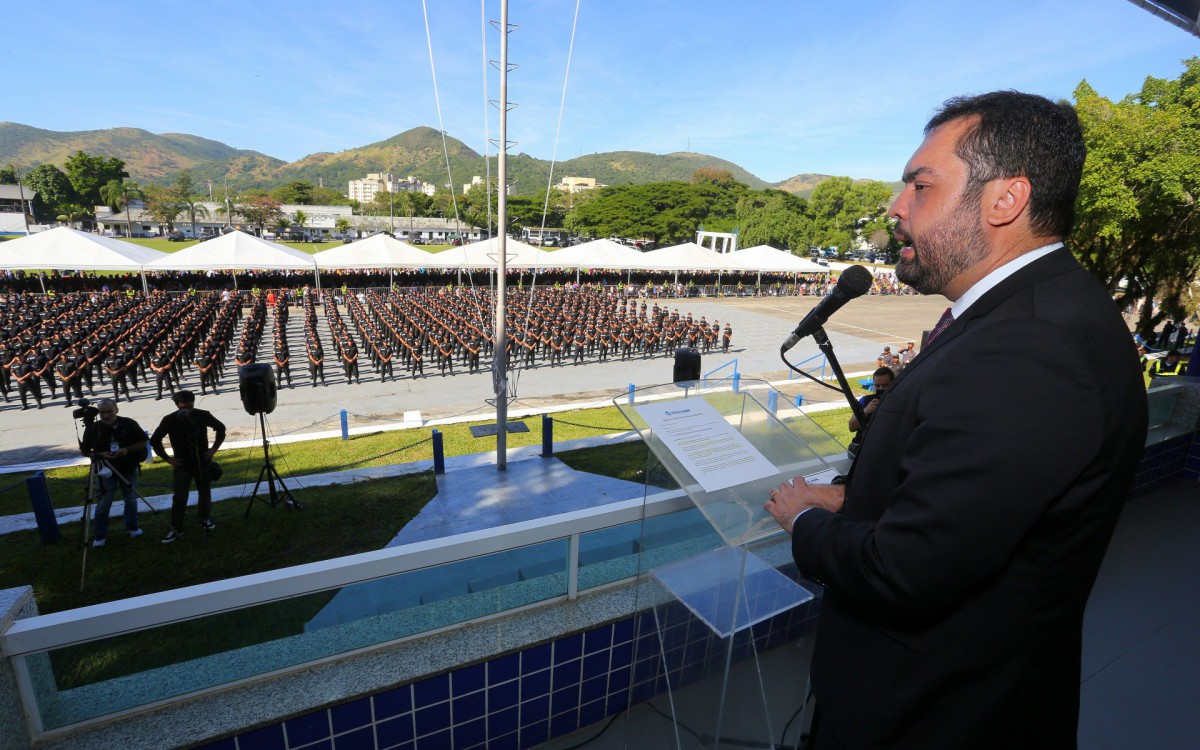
884, 371
184, 397
1022, 135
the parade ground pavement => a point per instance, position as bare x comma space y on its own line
760, 324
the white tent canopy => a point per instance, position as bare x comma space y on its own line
686, 257
376, 251
235, 251
486, 254
603, 253
65, 248
767, 259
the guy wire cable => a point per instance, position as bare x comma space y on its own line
553, 158
442, 130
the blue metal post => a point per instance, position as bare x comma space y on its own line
737, 381
547, 436
43, 512
799, 400
439, 454
773, 401
345, 426
631, 390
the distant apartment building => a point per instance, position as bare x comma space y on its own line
477, 180
572, 185
365, 190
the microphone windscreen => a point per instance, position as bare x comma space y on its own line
855, 281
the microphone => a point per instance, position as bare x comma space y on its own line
854, 282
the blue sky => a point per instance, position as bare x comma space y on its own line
780, 87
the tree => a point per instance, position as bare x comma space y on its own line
774, 217
89, 174
52, 187
300, 218
841, 209
191, 205
1138, 212
118, 194
298, 193
342, 226
281, 226
8, 175
260, 210
70, 213
163, 206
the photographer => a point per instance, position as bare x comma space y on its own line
122, 443
882, 378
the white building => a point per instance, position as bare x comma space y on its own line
574, 185
365, 190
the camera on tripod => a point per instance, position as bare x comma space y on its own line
86, 412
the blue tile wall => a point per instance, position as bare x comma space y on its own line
1165, 462
519, 700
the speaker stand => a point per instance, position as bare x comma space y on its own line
277, 496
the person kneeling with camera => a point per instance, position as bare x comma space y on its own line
121, 443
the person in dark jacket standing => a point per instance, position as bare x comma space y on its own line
959, 555
187, 429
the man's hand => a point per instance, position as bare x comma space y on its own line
870, 408
208, 454
789, 498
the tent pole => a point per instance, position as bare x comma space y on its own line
145, 289
42, 280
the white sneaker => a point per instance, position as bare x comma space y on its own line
97, 542
135, 533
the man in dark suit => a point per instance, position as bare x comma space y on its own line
960, 553
187, 428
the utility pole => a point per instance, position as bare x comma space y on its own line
499, 361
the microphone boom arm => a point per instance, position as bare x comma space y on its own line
826, 347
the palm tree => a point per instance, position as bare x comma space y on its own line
281, 226
342, 226
192, 205
69, 213
119, 194
300, 217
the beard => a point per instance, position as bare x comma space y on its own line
944, 251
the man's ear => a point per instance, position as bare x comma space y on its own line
1007, 200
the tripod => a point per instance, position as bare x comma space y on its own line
282, 495
93, 492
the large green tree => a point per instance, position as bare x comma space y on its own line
53, 190
8, 175
776, 218
1138, 213
89, 174
842, 210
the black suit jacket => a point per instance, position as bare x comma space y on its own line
188, 435
976, 516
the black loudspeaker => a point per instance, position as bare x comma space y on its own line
687, 364
256, 382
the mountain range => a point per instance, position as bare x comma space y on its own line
156, 158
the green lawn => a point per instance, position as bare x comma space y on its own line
336, 521
241, 466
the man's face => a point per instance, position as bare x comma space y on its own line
108, 413
942, 232
881, 383
184, 405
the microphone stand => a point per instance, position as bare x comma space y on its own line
826, 347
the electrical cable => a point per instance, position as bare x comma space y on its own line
798, 371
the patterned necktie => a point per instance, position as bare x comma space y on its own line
942, 324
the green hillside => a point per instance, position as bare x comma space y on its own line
156, 158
